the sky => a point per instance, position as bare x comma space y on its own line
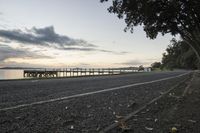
71, 33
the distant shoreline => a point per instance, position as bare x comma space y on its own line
18, 68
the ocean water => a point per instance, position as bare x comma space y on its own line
11, 74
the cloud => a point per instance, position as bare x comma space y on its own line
43, 36
135, 63
124, 52
7, 52
78, 49
92, 50
17, 64
47, 37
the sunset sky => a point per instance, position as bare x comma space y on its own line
71, 33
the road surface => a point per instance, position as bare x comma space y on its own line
83, 104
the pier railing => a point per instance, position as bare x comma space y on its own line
70, 72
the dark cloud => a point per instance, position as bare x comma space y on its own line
7, 52
93, 49
88, 50
124, 52
78, 49
49, 38
44, 37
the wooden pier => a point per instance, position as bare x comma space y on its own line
71, 72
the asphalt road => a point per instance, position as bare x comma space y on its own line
88, 113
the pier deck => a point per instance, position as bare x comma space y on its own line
70, 72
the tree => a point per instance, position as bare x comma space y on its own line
156, 65
141, 68
179, 55
162, 16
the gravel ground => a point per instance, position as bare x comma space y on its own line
171, 111
84, 114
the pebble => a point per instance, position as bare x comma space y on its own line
148, 119
72, 127
149, 128
88, 106
133, 103
193, 121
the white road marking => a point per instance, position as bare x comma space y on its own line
89, 93
34, 81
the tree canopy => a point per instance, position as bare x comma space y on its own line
162, 16
179, 55
156, 65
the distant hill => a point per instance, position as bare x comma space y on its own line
19, 68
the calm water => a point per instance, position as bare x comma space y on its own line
11, 74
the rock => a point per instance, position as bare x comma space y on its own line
72, 127
116, 121
18, 117
149, 128
132, 103
119, 116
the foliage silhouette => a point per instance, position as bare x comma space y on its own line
179, 55
180, 17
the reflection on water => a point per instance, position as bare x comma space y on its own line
11, 74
